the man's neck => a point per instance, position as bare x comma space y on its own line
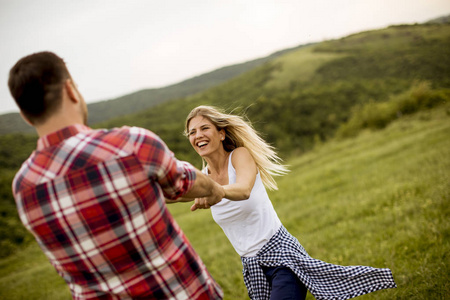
55, 124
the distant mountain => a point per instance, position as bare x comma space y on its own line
144, 99
440, 20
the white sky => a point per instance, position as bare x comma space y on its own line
113, 48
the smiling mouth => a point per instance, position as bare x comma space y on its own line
202, 144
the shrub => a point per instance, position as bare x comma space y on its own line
377, 115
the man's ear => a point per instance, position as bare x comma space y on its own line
25, 119
70, 89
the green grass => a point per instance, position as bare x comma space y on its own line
379, 199
28, 275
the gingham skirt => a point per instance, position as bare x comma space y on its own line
323, 280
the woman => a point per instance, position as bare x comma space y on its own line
275, 265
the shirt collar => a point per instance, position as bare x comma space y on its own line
60, 135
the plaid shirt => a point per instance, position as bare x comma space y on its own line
325, 281
94, 200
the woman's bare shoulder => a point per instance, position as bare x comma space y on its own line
241, 155
241, 152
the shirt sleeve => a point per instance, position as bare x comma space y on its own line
175, 177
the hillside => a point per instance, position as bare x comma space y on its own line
144, 99
378, 199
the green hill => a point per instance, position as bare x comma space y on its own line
440, 20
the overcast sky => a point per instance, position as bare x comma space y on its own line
113, 48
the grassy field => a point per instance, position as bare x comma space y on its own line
379, 199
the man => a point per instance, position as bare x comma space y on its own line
95, 199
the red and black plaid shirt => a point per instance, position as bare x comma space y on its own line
94, 200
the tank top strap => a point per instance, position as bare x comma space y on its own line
231, 170
230, 165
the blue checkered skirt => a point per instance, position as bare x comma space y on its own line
323, 280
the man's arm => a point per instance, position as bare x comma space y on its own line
181, 199
205, 187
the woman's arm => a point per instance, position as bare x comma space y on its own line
246, 171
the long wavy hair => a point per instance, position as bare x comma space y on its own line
240, 133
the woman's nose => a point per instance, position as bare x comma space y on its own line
198, 135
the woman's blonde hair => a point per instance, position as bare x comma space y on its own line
240, 133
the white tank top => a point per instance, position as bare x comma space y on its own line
248, 224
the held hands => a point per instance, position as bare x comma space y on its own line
216, 196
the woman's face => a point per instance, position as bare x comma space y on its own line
204, 136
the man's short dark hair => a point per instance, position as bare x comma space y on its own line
36, 82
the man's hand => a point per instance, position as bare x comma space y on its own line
200, 203
216, 196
